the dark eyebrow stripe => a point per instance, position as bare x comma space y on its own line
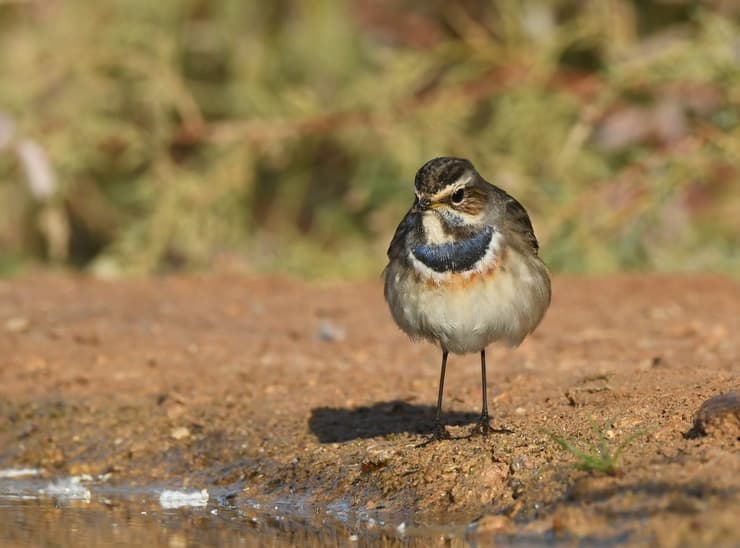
455, 256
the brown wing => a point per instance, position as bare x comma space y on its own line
408, 224
517, 219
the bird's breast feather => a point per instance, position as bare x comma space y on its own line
456, 256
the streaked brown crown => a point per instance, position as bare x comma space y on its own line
436, 174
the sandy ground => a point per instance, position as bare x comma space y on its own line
279, 390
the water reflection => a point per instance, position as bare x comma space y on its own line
42, 512
44, 522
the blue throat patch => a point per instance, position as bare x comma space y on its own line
455, 256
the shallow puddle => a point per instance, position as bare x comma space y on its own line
86, 511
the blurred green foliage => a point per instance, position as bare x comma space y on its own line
285, 135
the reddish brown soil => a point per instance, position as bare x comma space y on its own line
280, 389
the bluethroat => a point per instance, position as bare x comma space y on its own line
464, 270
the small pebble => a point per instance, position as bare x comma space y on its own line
329, 332
517, 464
717, 416
180, 433
17, 325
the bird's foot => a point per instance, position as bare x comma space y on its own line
483, 428
438, 434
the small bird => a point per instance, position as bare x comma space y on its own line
464, 270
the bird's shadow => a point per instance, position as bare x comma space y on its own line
336, 424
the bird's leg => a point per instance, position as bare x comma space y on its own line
439, 430
484, 427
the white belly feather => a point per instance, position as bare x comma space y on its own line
499, 300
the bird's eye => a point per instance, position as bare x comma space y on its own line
458, 196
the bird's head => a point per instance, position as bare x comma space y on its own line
452, 189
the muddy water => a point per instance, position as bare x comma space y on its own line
84, 511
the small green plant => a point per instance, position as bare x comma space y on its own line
599, 457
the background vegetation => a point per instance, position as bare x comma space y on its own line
140, 136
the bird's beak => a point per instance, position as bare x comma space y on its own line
420, 206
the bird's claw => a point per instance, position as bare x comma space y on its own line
438, 434
483, 428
